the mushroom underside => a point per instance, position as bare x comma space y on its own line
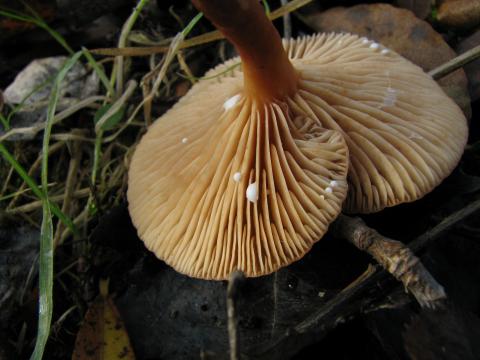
223, 182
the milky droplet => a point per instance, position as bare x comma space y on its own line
184, 140
227, 105
390, 97
237, 176
252, 192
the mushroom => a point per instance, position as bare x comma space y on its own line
232, 178
248, 169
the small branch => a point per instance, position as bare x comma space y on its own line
55, 198
395, 257
455, 63
287, 24
232, 291
348, 301
194, 41
428, 237
70, 183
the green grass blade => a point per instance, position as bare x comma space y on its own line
38, 21
46, 239
45, 301
16, 16
267, 7
52, 107
192, 24
5, 123
35, 188
99, 70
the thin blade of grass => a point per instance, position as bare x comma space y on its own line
45, 282
99, 70
194, 41
35, 188
38, 21
46, 239
5, 123
122, 41
267, 7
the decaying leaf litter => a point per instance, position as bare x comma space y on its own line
85, 262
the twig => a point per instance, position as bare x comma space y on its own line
287, 25
455, 63
232, 292
31, 131
82, 217
357, 292
38, 204
355, 297
69, 185
424, 240
394, 256
195, 41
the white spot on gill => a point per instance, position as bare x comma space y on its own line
333, 183
184, 140
414, 135
390, 97
237, 176
374, 46
230, 103
384, 51
328, 190
252, 192
365, 41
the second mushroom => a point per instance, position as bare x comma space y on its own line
249, 169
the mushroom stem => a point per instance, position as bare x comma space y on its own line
268, 73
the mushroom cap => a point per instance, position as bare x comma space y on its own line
403, 133
222, 182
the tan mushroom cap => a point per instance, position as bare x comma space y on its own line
404, 134
221, 183
190, 173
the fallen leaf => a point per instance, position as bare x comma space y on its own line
459, 14
421, 8
473, 69
401, 31
103, 336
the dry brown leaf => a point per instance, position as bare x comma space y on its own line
103, 336
421, 8
401, 31
473, 69
459, 14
